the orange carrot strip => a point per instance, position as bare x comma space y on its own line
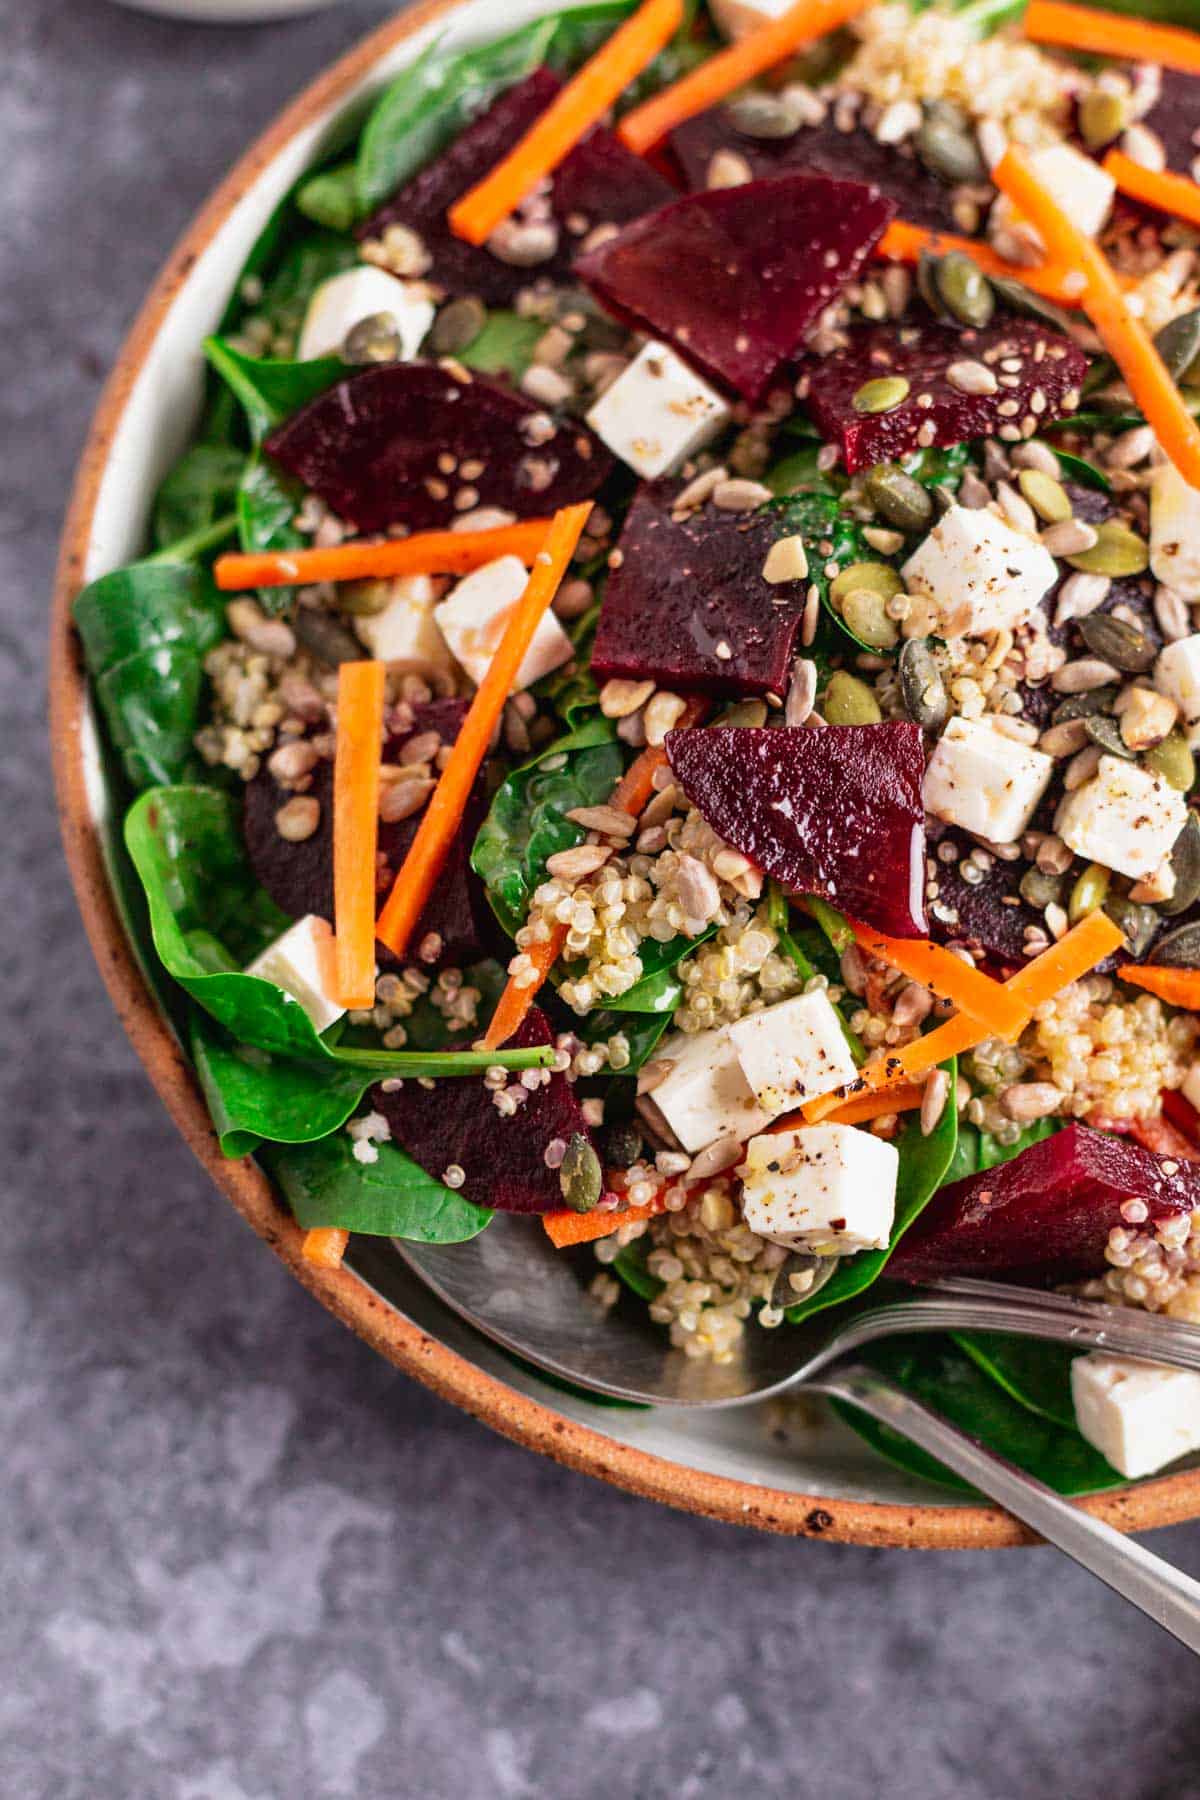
441, 818
565, 1228
1155, 187
356, 828
1178, 987
948, 977
902, 242
1108, 34
1123, 336
649, 123
635, 789
580, 105
325, 1246
858, 1109
426, 553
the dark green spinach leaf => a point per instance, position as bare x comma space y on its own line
1035, 1373
330, 197
271, 391
326, 1185
818, 519
200, 489
254, 1095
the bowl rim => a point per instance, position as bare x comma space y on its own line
526, 1421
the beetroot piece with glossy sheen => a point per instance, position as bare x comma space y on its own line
1046, 1215
733, 278
818, 150
299, 876
835, 812
373, 448
1175, 119
1041, 383
599, 183
503, 1159
987, 916
688, 607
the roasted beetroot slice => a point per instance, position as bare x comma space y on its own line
299, 877
599, 183
688, 607
818, 150
835, 812
1046, 1215
372, 448
503, 1159
1044, 386
1175, 119
733, 278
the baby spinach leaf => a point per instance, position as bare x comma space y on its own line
923, 1165
992, 1151
966, 1154
818, 519
641, 1031
146, 605
330, 197
658, 989
151, 705
302, 268
572, 690
271, 390
326, 1185
1036, 1373
800, 473
629, 1265
527, 820
267, 503
1077, 469
505, 346
253, 1094
200, 489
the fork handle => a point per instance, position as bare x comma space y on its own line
1164, 1593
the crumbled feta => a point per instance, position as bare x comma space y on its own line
405, 633
793, 1052
705, 1096
657, 412
1175, 531
474, 614
340, 303
984, 782
735, 19
1177, 675
829, 1189
973, 574
1138, 1415
1081, 187
1124, 817
300, 961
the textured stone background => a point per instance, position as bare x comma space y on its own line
241, 1558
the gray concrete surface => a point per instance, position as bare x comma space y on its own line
240, 1558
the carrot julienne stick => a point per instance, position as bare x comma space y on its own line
580, 105
1108, 34
903, 242
426, 553
441, 818
649, 123
324, 1246
1178, 987
1123, 336
356, 827
1155, 187
947, 977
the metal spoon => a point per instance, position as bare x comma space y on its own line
510, 1284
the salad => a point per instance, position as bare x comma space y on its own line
664, 695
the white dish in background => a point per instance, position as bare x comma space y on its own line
226, 12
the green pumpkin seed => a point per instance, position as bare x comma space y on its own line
1107, 733
752, 713
849, 701
877, 578
363, 599
1139, 923
865, 613
622, 1145
1023, 300
762, 115
1118, 642
375, 339
882, 395
457, 325
947, 147
897, 498
579, 1176
927, 281
963, 290
327, 639
1178, 343
1185, 866
1041, 890
1180, 949
921, 685
1089, 892
1173, 761
1082, 706
1117, 551
1048, 498
1103, 117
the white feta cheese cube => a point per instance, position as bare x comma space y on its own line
705, 1095
984, 782
300, 961
738, 18
1138, 1415
474, 614
793, 1052
1124, 817
1175, 531
1081, 187
829, 1189
1177, 675
657, 412
405, 633
973, 574
340, 303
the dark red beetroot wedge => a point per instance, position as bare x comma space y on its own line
1043, 384
835, 812
503, 1159
372, 447
1175, 119
299, 876
688, 606
818, 150
599, 183
988, 916
733, 278
1046, 1215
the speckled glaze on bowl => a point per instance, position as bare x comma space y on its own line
820, 1482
